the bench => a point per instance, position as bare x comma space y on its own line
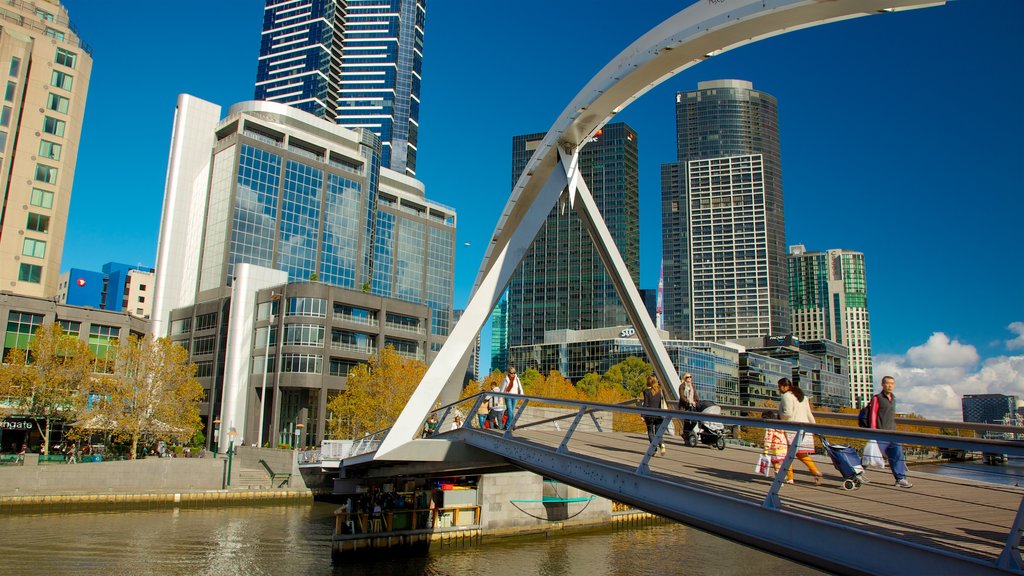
12, 459
284, 477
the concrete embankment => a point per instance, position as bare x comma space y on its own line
256, 476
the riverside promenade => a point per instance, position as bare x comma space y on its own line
257, 475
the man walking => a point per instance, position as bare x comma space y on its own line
882, 415
496, 413
511, 385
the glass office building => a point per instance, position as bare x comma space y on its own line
561, 282
576, 353
295, 207
829, 301
723, 229
354, 62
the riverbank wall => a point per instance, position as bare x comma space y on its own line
256, 476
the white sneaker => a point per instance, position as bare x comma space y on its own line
903, 483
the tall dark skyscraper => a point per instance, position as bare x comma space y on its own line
353, 62
562, 283
723, 226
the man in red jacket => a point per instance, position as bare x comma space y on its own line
882, 415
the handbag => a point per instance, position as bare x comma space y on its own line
763, 465
872, 456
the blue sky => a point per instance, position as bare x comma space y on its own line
900, 134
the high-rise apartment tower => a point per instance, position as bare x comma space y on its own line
829, 301
44, 71
723, 229
353, 62
561, 282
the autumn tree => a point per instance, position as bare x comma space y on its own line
631, 374
376, 394
48, 382
151, 391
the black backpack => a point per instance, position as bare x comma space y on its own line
864, 416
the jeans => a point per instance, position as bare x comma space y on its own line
652, 429
894, 452
495, 417
510, 407
480, 419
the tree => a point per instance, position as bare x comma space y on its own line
631, 374
152, 391
48, 382
590, 383
376, 394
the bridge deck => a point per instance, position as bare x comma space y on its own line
939, 512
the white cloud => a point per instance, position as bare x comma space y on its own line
1018, 329
940, 351
933, 377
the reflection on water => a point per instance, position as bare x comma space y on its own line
1011, 473
296, 540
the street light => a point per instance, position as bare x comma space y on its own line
298, 434
216, 435
231, 450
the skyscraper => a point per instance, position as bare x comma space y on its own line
829, 301
354, 62
286, 249
723, 229
46, 69
561, 282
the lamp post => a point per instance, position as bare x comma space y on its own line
266, 368
298, 434
231, 450
216, 435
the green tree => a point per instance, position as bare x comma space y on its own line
590, 383
49, 382
631, 374
376, 394
151, 391
528, 377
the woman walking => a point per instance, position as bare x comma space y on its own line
794, 407
653, 399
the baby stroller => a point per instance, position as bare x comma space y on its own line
710, 433
847, 462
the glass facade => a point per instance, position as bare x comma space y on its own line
719, 121
354, 62
341, 232
561, 282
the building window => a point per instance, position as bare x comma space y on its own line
203, 345
303, 335
66, 58
142, 287
30, 273
71, 327
205, 321
53, 126
5, 116
61, 80
34, 248
38, 222
204, 369
314, 307
21, 329
57, 103
12, 87
302, 363
183, 326
49, 149
45, 15
55, 34
42, 198
46, 174
3, 141
15, 67
101, 339
142, 299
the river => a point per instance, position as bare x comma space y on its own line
296, 541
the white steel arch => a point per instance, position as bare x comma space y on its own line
703, 30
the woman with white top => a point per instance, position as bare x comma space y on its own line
795, 407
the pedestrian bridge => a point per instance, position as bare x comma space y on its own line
943, 525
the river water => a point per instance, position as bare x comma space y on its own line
296, 541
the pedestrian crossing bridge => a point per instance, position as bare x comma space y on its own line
943, 525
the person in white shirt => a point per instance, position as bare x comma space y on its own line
511, 385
